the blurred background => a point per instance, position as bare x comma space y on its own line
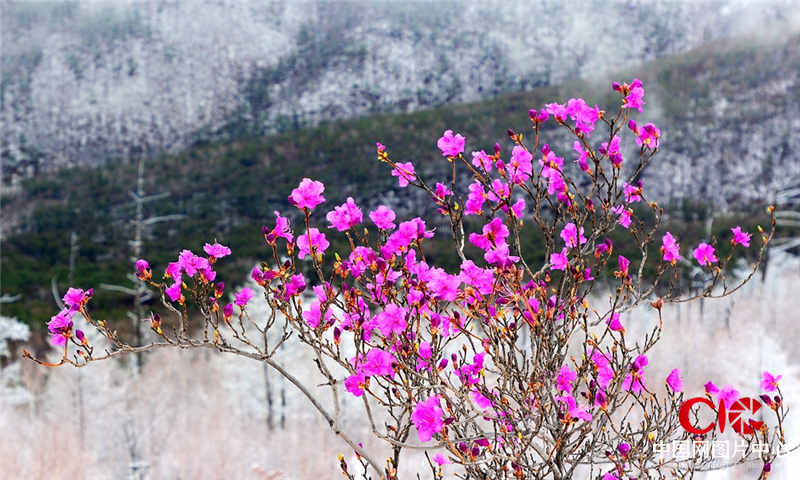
137, 128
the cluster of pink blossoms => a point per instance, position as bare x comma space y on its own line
413, 324
61, 325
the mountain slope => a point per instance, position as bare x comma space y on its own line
88, 82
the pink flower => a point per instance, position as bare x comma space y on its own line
728, 395
441, 460
295, 285
312, 242
740, 237
74, 298
601, 399
624, 264
500, 256
482, 402
670, 248
711, 389
494, 233
451, 145
174, 270
425, 350
481, 159
557, 110
520, 166
443, 285
572, 236
142, 269
174, 291
633, 193
498, 191
60, 322
217, 251
634, 98
612, 149
704, 254
517, 209
583, 156
427, 417
480, 278
573, 410
282, 229
603, 367
769, 383
313, 315
624, 448
585, 116
308, 194
476, 198
538, 117
243, 297
614, 324
404, 173
559, 261
391, 320
442, 191
345, 216
58, 340
610, 476
383, 217
355, 384
648, 135
674, 380
623, 215
227, 311
565, 378
634, 381
378, 362
191, 263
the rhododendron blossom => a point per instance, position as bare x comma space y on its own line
243, 297
559, 261
670, 248
345, 216
383, 217
482, 160
674, 380
704, 254
612, 150
216, 251
728, 395
613, 322
520, 167
427, 417
572, 235
404, 173
565, 378
634, 381
313, 242
308, 194
623, 215
740, 237
451, 145
769, 382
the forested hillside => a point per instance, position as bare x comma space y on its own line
726, 113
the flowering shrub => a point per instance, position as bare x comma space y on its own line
502, 369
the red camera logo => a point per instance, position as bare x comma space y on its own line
735, 416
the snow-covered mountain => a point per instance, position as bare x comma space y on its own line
84, 82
